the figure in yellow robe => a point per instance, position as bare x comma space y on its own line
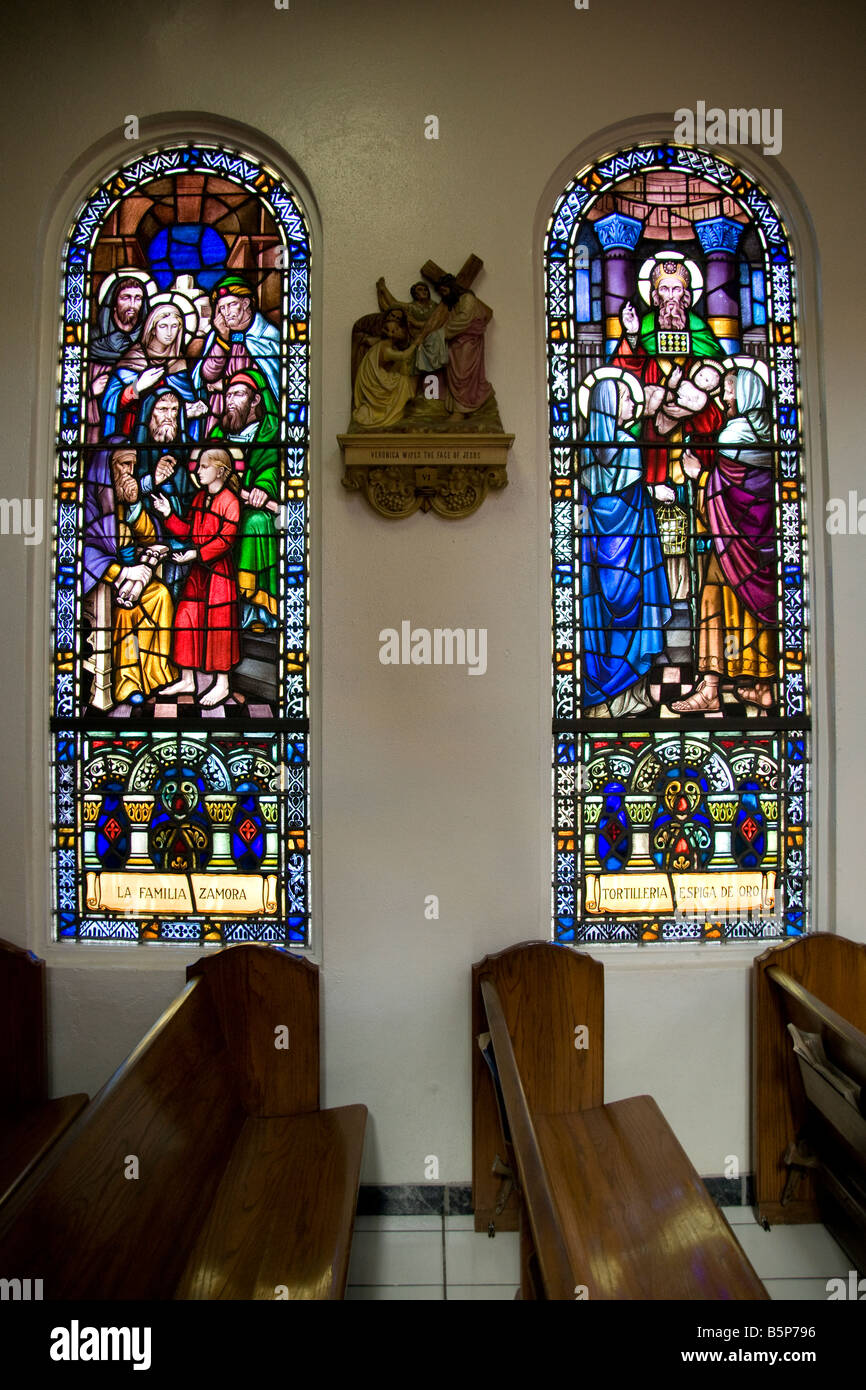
142, 631
385, 382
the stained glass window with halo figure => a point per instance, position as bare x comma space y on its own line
680, 562
179, 702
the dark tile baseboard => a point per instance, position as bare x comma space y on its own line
404, 1199
732, 1192
455, 1199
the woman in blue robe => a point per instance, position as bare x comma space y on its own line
625, 599
156, 361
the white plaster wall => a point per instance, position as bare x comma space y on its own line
431, 781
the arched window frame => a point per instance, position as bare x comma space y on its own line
100, 170
782, 204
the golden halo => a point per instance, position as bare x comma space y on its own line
147, 283
700, 362
754, 364
184, 306
616, 374
695, 274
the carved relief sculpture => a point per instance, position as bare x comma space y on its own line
425, 430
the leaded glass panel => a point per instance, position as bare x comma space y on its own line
680, 558
180, 632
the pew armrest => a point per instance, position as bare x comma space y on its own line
549, 1245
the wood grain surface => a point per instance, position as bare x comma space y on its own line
834, 970
636, 1219
256, 989
81, 1224
227, 1200
283, 1216
544, 1221
545, 991
25, 1139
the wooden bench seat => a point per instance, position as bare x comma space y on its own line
636, 1220
810, 1087
30, 1121
204, 1168
283, 1214
612, 1206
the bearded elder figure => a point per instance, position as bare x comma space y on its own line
239, 338
119, 324
670, 340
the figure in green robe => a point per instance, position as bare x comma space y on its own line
250, 420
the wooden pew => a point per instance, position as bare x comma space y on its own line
557, 1075
30, 1122
612, 1207
809, 1086
204, 1169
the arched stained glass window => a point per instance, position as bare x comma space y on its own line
680, 564
179, 702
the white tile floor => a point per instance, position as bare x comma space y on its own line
436, 1257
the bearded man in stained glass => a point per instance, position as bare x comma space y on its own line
239, 338
250, 418
659, 349
163, 464
120, 550
118, 326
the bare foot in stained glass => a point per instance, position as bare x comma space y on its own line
218, 692
757, 694
705, 697
185, 686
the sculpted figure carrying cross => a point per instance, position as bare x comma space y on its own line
463, 317
418, 364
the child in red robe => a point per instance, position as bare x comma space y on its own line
206, 624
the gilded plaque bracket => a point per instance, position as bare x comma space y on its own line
450, 474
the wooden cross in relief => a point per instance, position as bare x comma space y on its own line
464, 277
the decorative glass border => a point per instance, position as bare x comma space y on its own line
291, 722
793, 725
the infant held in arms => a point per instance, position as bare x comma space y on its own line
681, 396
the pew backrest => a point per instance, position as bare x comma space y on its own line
603, 1186
552, 1002
139, 1171
259, 991
22, 1028
817, 982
